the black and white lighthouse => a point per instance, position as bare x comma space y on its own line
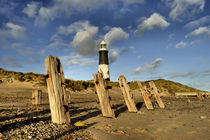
103, 61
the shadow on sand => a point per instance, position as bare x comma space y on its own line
95, 113
33, 114
19, 124
139, 105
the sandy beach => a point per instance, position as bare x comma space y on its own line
183, 118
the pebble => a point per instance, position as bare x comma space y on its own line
36, 126
203, 117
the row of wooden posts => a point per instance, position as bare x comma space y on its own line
105, 103
59, 100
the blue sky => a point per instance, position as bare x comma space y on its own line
148, 39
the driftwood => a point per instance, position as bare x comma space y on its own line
36, 97
126, 94
56, 91
145, 95
103, 96
192, 94
156, 94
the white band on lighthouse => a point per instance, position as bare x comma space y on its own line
104, 69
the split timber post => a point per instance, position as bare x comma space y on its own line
126, 94
56, 91
156, 94
145, 96
103, 96
36, 97
68, 98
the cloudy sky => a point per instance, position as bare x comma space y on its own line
148, 39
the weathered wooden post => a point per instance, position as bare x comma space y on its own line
145, 96
56, 90
36, 97
200, 96
155, 93
103, 96
126, 94
68, 98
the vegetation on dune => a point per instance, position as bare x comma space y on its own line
40, 80
162, 85
78, 85
27, 77
172, 87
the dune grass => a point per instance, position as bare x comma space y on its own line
78, 85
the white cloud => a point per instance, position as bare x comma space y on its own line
77, 60
181, 45
9, 61
12, 30
199, 31
84, 37
128, 2
138, 70
185, 8
113, 56
154, 64
74, 27
195, 42
67, 8
45, 15
154, 21
115, 53
122, 12
149, 67
8, 8
190, 74
198, 22
31, 9
23, 50
139, 57
106, 28
115, 34
56, 41
83, 41
32, 60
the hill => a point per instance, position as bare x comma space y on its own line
78, 85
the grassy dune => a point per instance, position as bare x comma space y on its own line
78, 85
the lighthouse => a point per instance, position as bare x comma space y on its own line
103, 61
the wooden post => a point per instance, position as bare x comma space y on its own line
155, 93
103, 96
36, 97
200, 96
145, 96
56, 90
68, 98
126, 94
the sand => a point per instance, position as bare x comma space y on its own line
181, 119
